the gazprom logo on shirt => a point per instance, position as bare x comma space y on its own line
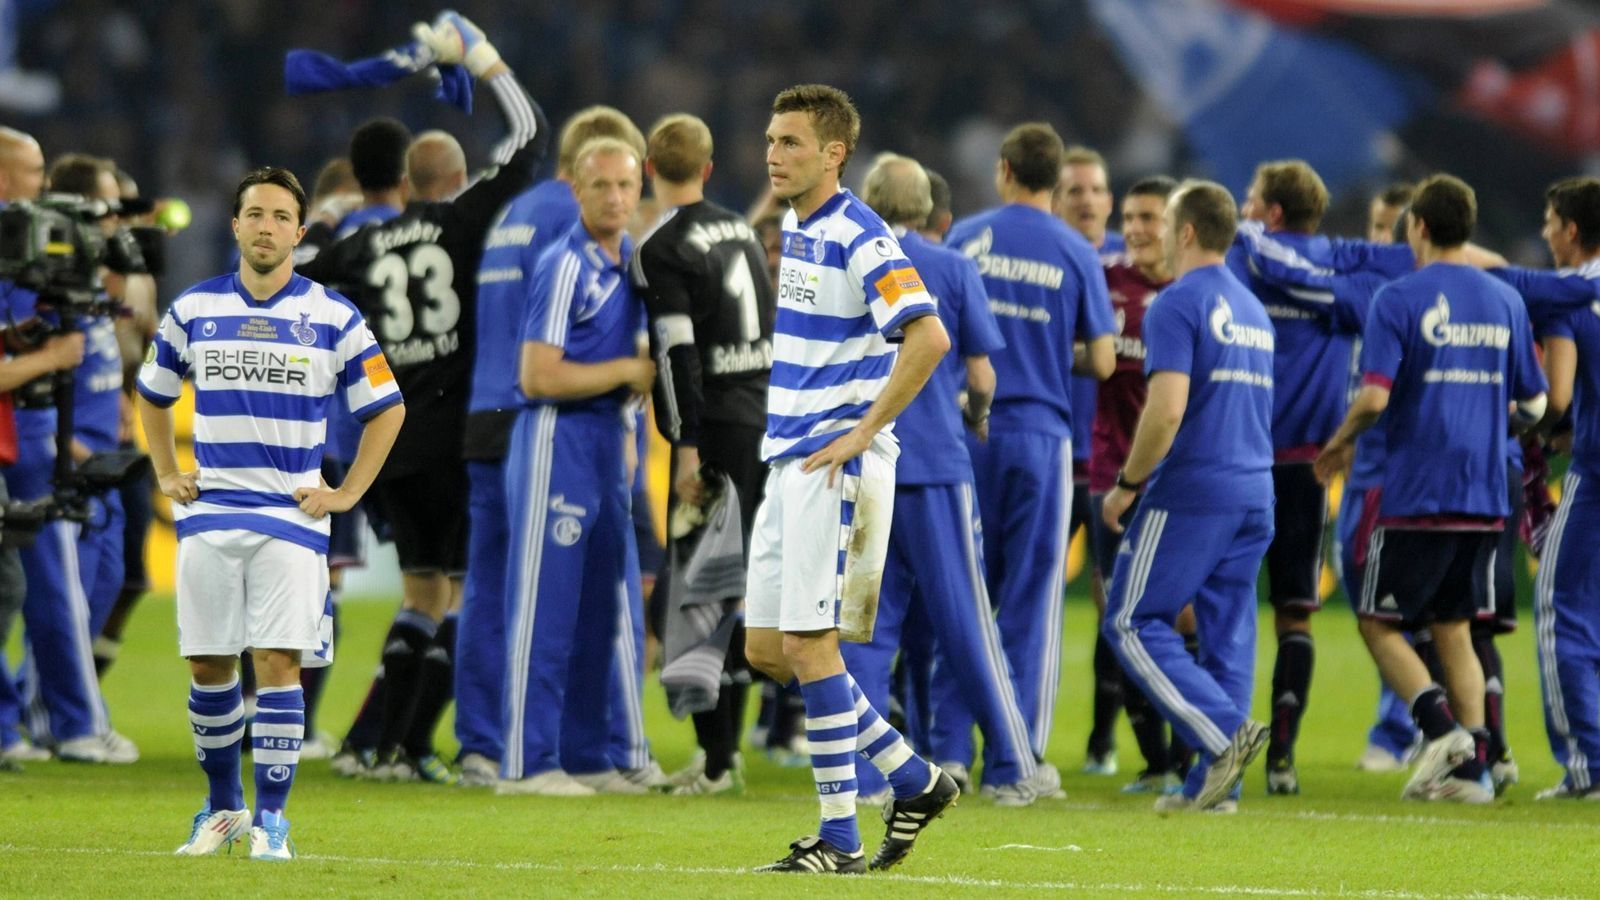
1010, 268
1438, 330
1227, 331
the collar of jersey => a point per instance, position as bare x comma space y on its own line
595, 254
295, 287
828, 206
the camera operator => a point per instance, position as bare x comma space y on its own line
63, 568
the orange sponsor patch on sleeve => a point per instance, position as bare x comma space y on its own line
377, 369
898, 282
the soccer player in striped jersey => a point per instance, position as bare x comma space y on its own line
528, 225
845, 290
1444, 353
1048, 292
1204, 446
269, 352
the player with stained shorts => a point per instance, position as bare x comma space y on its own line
414, 276
1443, 354
700, 273
1201, 457
269, 351
821, 533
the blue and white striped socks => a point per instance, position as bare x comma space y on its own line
831, 732
216, 714
275, 738
908, 773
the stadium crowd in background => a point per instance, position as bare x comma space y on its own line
880, 450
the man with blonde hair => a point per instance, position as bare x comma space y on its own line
700, 274
531, 223
567, 491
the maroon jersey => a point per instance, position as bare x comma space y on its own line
1121, 396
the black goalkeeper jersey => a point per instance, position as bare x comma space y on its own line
414, 278
703, 276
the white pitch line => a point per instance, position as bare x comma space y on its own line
936, 880
1070, 848
1247, 812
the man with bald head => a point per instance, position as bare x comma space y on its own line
413, 274
934, 569
21, 166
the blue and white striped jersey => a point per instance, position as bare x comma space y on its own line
265, 376
845, 289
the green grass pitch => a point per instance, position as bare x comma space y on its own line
69, 830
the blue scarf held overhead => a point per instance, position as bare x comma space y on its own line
310, 72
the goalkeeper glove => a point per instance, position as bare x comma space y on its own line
455, 39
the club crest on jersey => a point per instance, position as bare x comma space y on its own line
819, 252
566, 531
302, 330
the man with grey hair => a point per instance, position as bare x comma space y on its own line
934, 571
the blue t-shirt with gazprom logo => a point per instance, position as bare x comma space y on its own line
1453, 346
1208, 326
583, 302
528, 225
1047, 289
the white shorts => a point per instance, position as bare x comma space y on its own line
240, 590
817, 553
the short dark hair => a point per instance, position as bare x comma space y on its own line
1210, 209
1153, 186
1034, 152
378, 153
1397, 194
833, 115
1297, 189
1449, 208
939, 189
271, 175
1577, 200
79, 173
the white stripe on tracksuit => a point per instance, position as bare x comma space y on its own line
1050, 666
77, 609
993, 651
626, 664
1144, 666
1544, 618
527, 589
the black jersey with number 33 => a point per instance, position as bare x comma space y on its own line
414, 278
703, 275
